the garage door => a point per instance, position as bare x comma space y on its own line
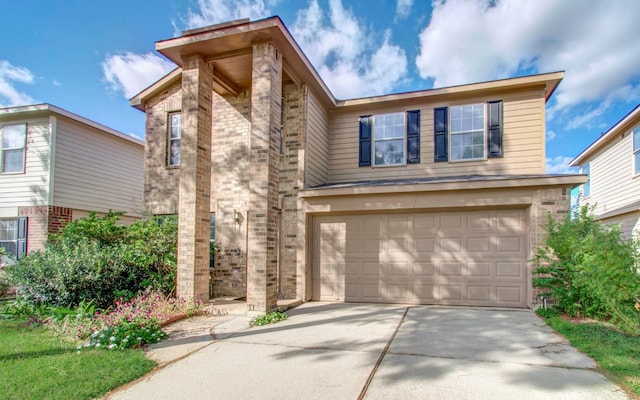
459, 258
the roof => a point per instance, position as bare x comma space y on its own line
8, 113
228, 47
627, 122
443, 183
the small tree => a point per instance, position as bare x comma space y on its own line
589, 269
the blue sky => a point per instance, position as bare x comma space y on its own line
89, 57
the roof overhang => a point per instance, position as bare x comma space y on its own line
627, 122
31, 111
445, 184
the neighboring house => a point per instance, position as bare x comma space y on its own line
56, 166
612, 164
430, 197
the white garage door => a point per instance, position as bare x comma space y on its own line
459, 258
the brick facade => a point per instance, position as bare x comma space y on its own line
264, 148
195, 180
555, 201
42, 221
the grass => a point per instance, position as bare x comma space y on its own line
616, 352
35, 364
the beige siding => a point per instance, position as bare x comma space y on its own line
124, 220
613, 184
96, 170
523, 141
629, 223
31, 187
317, 168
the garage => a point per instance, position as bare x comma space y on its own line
450, 258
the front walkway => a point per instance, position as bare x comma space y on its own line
353, 351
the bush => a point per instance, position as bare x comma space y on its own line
93, 259
269, 318
590, 270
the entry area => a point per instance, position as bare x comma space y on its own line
474, 258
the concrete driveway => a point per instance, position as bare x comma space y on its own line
352, 351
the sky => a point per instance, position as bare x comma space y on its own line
90, 56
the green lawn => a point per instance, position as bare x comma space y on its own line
615, 352
34, 364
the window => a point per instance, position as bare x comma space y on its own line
9, 236
395, 137
636, 151
467, 131
212, 228
388, 137
586, 188
175, 134
13, 148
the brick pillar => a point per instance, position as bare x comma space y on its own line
262, 262
195, 179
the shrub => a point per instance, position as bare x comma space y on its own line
269, 318
94, 259
589, 269
126, 334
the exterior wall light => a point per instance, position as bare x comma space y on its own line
236, 216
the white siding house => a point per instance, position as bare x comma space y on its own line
612, 164
56, 166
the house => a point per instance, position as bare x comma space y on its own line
429, 197
612, 164
56, 166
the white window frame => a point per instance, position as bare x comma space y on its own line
382, 124
23, 148
171, 140
635, 150
4, 235
586, 187
453, 133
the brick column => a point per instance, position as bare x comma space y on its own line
195, 179
262, 262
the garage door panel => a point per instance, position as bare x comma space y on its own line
457, 258
480, 269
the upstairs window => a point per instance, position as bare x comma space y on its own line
14, 138
390, 139
174, 135
586, 188
467, 132
636, 151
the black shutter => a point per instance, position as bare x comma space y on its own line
494, 129
22, 237
365, 141
413, 137
440, 133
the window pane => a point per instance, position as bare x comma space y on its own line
13, 136
389, 152
13, 160
636, 139
10, 247
8, 229
388, 126
212, 228
637, 162
174, 152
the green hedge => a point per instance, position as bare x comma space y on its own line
96, 259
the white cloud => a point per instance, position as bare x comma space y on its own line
347, 57
131, 73
9, 76
55, 82
560, 165
595, 41
216, 11
403, 8
551, 135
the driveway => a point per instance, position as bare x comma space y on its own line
352, 351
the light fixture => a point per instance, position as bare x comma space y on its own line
236, 216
